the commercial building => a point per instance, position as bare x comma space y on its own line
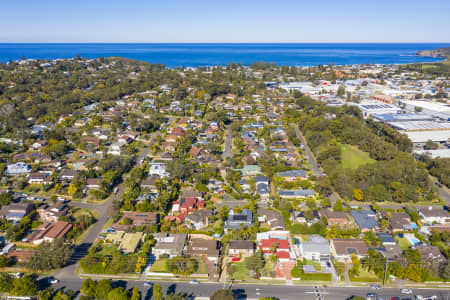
435, 109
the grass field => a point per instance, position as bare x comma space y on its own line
352, 157
202, 267
159, 265
240, 271
365, 276
402, 242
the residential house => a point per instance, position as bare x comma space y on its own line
342, 249
251, 170
171, 244
48, 232
433, 215
215, 186
158, 169
19, 168
338, 218
39, 178
38, 145
16, 211
235, 220
271, 218
262, 186
293, 175
36, 157
51, 213
316, 249
67, 175
365, 219
209, 249
241, 248
125, 140
195, 152
115, 149
187, 205
199, 219
386, 239
245, 186
292, 194
275, 246
21, 255
431, 254
149, 183
299, 217
192, 194
391, 251
398, 221
127, 242
133, 219
92, 141
93, 183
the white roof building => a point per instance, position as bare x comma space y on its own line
19, 168
435, 109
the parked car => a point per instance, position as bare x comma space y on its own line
194, 282
53, 281
375, 286
148, 284
406, 291
371, 296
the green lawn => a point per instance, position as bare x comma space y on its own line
240, 271
365, 276
352, 157
202, 267
77, 212
159, 265
402, 242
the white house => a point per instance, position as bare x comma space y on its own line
433, 215
19, 168
115, 149
316, 249
158, 169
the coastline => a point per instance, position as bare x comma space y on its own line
221, 54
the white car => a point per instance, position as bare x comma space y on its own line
194, 282
406, 291
375, 286
53, 281
148, 284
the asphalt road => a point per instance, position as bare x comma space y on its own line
445, 195
256, 291
227, 151
105, 212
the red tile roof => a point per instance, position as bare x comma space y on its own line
282, 244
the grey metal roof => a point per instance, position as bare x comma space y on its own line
386, 237
293, 173
299, 193
365, 219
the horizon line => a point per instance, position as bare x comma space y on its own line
2, 43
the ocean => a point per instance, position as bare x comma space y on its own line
194, 55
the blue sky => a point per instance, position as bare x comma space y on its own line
225, 21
